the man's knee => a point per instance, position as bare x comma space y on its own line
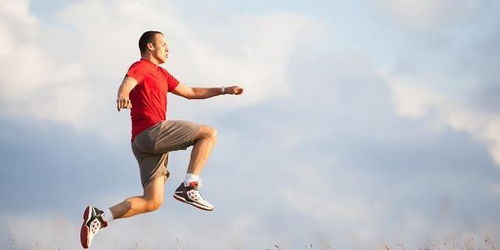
153, 194
208, 132
213, 133
153, 204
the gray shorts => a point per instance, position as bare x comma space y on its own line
152, 145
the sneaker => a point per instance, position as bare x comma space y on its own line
93, 222
189, 194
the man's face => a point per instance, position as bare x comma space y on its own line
160, 51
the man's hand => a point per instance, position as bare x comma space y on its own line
123, 103
233, 90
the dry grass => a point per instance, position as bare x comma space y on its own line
468, 244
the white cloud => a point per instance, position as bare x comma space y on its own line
427, 14
416, 102
18, 10
5, 40
251, 50
34, 83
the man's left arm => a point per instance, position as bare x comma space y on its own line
204, 93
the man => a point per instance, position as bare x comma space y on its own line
144, 91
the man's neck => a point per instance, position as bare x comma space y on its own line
151, 59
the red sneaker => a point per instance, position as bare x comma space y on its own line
93, 222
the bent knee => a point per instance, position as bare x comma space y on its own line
153, 205
213, 133
208, 132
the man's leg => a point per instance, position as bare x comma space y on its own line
94, 219
150, 201
205, 141
153, 175
187, 191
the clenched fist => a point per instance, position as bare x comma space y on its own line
233, 90
123, 103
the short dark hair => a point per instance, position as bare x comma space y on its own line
146, 38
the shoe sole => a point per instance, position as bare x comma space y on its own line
181, 199
84, 231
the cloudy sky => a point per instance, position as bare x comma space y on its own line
364, 124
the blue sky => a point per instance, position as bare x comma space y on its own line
363, 124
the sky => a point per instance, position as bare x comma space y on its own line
364, 124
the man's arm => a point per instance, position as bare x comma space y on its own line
203, 93
123, 101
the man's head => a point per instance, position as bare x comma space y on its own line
153, 46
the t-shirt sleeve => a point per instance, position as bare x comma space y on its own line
136, 72
171, 81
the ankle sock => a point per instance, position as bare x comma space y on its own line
108, 216
190, 178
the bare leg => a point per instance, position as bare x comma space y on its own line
206, 138
148, 202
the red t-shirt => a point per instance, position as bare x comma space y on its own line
149, 96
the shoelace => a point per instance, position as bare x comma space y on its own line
95, 226
97, 222
194, 195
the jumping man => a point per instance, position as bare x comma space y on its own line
144, 91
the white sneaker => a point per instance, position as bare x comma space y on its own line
189, 194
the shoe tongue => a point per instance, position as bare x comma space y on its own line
193, 184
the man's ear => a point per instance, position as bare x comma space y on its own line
150, 46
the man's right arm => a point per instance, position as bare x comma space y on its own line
123, 101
